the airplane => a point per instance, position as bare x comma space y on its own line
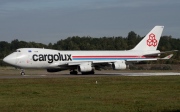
87, 61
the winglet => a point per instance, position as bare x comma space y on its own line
167, 57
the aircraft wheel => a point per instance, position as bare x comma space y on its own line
22, 73
74, 72
88, 73
92, 72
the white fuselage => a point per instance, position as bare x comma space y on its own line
47, 58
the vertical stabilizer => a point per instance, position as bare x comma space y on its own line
151, 40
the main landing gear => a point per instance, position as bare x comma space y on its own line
88, 73
22, 72
73, 72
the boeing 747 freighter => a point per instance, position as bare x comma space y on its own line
86, 61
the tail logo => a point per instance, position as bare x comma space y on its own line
152, 40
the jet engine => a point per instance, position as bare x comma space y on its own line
85, 67
119, 65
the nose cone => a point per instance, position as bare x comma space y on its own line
10, 59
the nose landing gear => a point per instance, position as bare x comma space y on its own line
22, 72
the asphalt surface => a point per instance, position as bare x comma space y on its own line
14, 74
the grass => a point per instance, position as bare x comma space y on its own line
110, 94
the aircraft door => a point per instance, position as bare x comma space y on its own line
29, 60
18, 53
22, 59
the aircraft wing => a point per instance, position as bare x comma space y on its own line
107, 62
94, 62
152, 54
151, 59
143, 59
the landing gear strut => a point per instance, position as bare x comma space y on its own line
22, 72
73, 72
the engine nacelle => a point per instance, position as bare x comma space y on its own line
85, 67
53, 70
119, 65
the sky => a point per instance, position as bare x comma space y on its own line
48, 21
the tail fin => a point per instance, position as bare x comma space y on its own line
151, 40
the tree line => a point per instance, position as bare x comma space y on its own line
166, 43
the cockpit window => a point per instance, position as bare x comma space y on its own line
18, 50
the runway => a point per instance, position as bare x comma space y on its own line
145, 74
95, 75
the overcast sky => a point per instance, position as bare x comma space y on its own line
48, 21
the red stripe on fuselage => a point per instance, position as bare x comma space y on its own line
108, 56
